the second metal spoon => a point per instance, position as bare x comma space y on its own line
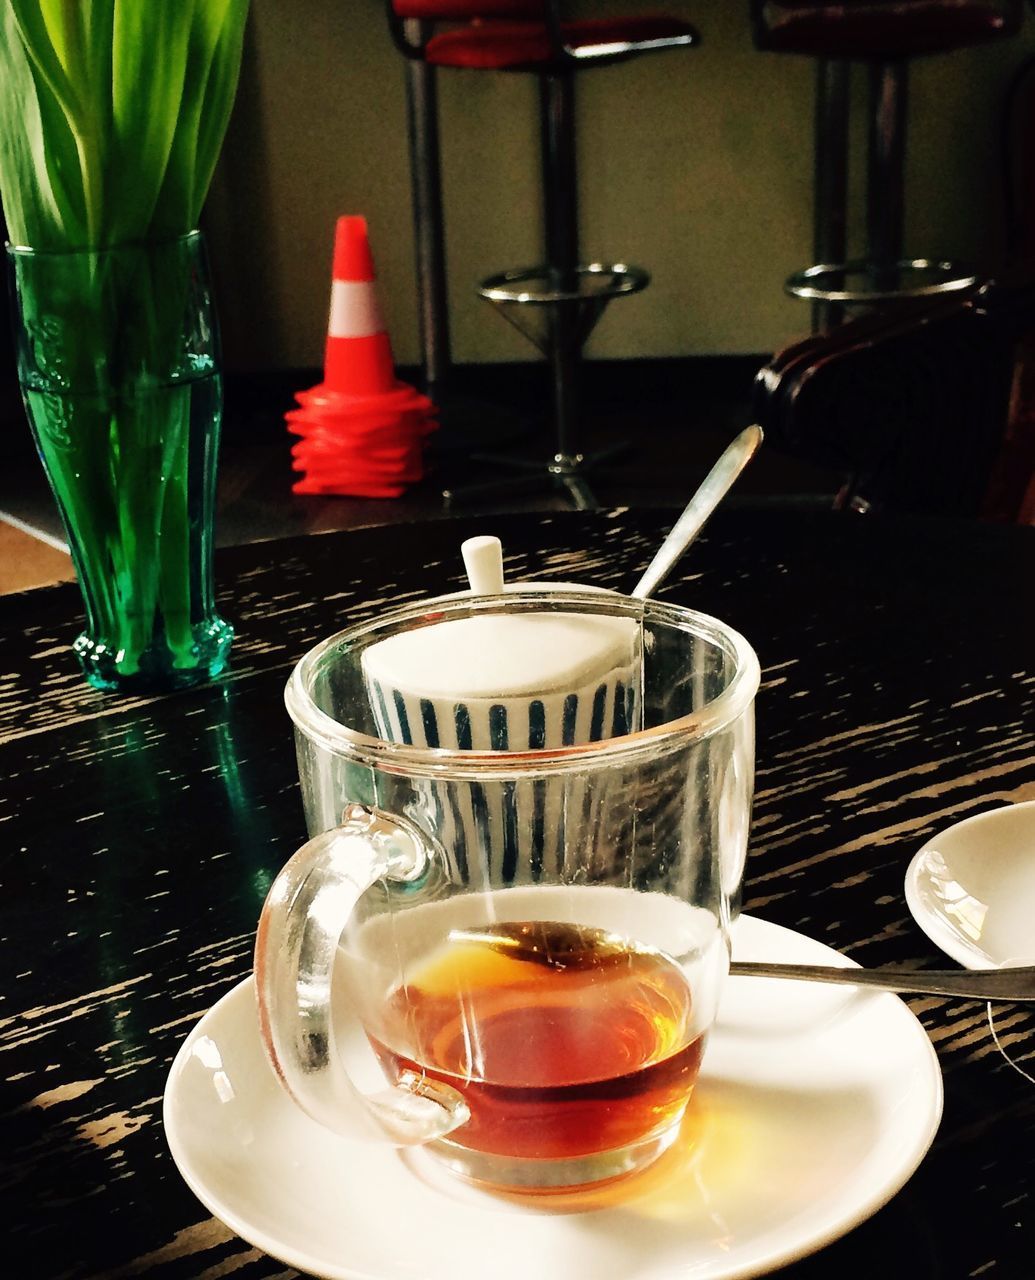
572, 946
716, 484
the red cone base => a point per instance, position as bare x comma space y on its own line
367, 447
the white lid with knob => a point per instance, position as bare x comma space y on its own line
501, 656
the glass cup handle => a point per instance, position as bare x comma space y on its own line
302, 921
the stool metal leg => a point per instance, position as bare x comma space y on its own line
830, 221
886, 276
560, 180
560, 217
885, 187
426, 178
569, 297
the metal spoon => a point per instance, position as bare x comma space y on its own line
716, 484
967, 984
563, 945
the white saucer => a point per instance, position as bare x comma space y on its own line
814, 1107
972, 888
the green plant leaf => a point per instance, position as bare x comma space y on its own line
220, 90
40, 181
214, 61
40, 25
113, 114
52, 36
149, 64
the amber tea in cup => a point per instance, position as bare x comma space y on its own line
586, 1042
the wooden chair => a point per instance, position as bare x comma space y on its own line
917, 408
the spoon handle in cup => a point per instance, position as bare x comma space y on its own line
968, 984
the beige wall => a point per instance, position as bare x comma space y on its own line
695, 164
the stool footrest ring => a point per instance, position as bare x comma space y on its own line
554, 318
827, 282
594, 281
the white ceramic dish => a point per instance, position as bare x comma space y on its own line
972, 888
815, 1106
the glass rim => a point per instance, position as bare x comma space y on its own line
27, 251
402, 758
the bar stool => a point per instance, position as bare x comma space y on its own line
556, 303
885, 35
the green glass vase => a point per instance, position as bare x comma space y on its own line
118, 360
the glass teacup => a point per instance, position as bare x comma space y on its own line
533, 940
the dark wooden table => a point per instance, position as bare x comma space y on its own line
138, 838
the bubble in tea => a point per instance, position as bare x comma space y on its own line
563, 1040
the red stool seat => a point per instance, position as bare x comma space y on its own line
522, 46
885, 29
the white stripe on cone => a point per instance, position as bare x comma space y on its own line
355, 310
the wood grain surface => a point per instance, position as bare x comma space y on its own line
138, 838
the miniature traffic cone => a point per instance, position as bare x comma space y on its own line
362, 430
